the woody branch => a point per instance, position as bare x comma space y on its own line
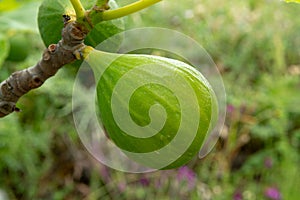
53, 58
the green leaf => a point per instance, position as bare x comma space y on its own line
50, 22
21, 19
4, 46
104, 30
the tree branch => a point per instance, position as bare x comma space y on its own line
54, 57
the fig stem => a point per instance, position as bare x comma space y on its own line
128, 9
86, 51
80, 11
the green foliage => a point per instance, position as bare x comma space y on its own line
23, 18
256, 47
19, 46
17, 28
50, 22
27, 140
20, 155
273, 113
50, 18
4, 46
103, 31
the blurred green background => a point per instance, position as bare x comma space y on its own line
255, 44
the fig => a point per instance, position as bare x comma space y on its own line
156, 110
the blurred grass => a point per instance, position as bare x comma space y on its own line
255, 44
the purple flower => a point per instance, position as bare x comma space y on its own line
186, 174
268, 162
237, 195
144, 181
272, 193
230, 108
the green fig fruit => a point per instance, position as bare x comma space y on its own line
156, 110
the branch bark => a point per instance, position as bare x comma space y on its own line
53, 58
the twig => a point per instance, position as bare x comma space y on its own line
54, 57
128, 9
80, 11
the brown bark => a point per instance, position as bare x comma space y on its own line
54, 57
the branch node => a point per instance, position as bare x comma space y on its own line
35, 82
6, 108
67, 18
46, 55
52, 48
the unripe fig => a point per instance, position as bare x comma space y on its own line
156, 110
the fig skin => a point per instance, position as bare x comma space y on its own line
144, 97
